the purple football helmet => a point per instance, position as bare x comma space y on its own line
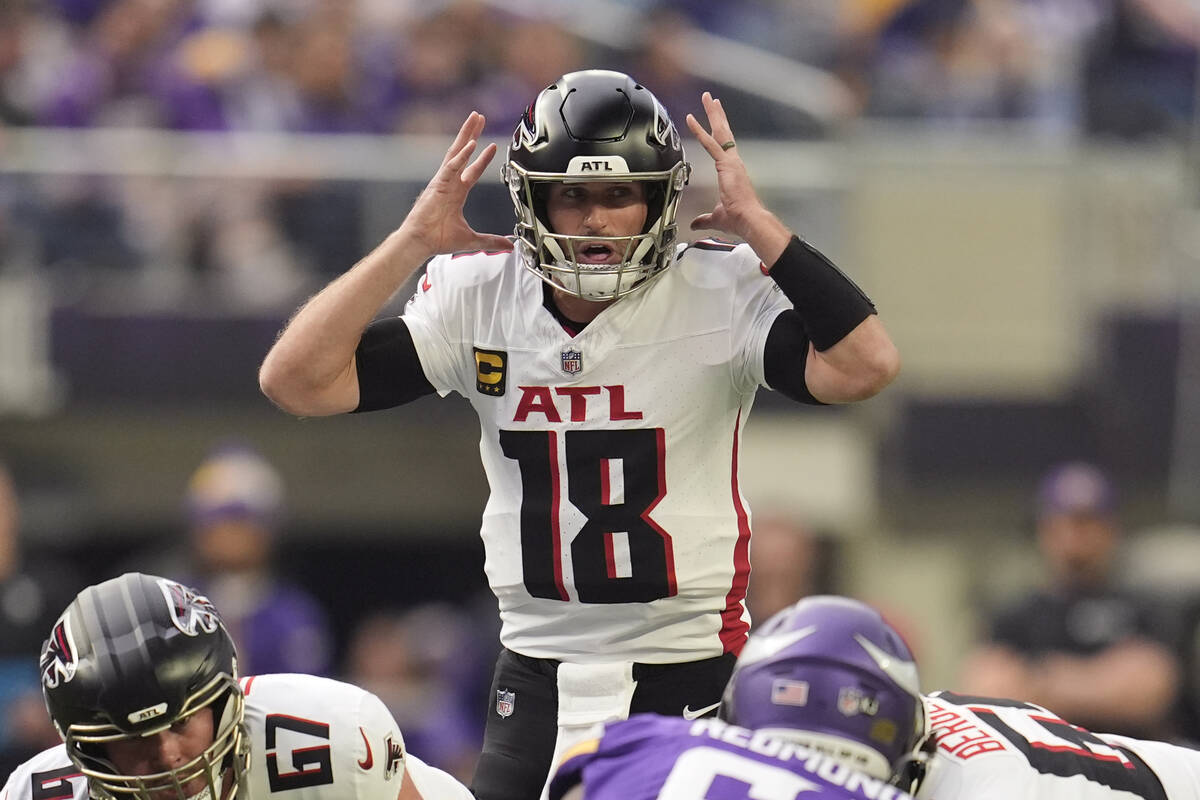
829, 673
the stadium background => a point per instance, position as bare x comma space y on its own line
1015, 183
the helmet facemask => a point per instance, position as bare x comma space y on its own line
554, 257
221, 765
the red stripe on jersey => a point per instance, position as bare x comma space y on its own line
605, 488
610, 557
555, 528
1080, 751
246, 684
733, 628
668, 550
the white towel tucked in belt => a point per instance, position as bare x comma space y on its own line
588, 696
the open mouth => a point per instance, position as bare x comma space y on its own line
596, 253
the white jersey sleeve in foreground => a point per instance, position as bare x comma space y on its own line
991, 749
433, 783
318, 739
309, 738
49, 775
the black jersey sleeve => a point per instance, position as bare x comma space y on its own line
785, 356
389, 370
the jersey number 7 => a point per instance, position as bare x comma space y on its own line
615, 479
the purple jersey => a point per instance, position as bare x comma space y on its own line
648, 756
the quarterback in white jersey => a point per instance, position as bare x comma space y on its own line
139, 676
612, 370
830, 674
615, 518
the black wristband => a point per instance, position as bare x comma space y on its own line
830, 304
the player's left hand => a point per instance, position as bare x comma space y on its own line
738, 207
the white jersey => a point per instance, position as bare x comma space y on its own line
999, 750
310, 739
616, 529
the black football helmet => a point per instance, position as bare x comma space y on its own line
129, 658
595, 125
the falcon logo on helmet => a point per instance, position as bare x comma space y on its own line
394, 750
526, 132
58, 662
191, 612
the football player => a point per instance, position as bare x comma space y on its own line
140, 677
830, 674
649, 756
612, 368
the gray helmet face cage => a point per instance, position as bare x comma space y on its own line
554, 257
229, 748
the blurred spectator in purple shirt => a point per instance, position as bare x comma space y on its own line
111, 78
235, 504
12, 25
426, 77
532, 55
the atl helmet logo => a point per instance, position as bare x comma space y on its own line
58, 662
192, 613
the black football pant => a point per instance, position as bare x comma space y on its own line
517, 748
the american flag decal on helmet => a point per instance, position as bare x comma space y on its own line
191, 612
58, 663
785, 692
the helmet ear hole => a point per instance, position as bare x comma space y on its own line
656, 198
541, 196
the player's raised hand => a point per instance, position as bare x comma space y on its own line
738, 204
436, 219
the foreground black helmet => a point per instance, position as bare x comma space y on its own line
129, 658
595, 125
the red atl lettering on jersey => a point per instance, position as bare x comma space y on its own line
541, 400
959, 736
536, 400
579, 396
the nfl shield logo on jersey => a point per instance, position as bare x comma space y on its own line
506, 701
572, 362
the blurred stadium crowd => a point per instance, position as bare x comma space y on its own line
1072, 68
1062, 68
1123, 67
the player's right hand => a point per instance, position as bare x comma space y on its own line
436, 220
